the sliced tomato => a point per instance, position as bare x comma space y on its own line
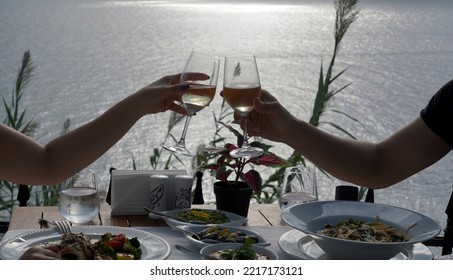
115, 244
117, 241
119, 237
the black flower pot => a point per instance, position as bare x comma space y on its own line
233, 198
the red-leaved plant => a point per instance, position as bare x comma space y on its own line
227, 165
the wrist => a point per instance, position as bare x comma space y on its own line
294, 133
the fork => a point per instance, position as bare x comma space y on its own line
62, 227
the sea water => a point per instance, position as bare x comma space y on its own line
90, 54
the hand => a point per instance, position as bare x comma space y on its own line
49, 252
162, 95
269, 119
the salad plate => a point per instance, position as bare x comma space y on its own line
153, 247
299, 245
195, 216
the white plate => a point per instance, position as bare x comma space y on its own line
235, 220
301, 246
200, 244
153, 247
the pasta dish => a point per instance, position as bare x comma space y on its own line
375, 231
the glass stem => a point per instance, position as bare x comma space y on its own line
182, 141
245, 142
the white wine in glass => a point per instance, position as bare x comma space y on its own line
241, 86
200, 93
198, 97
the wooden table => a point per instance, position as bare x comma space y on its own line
27, 217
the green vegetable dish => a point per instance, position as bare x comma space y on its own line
204, 215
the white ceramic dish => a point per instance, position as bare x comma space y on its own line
312, 217
224, 246
153, 247
200, 244
235, 220
299, 245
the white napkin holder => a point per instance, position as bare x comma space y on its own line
130, 189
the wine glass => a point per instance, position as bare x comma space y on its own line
299, 186
200, 93
241, 85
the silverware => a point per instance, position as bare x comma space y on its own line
62, 227
158, 213
162, 214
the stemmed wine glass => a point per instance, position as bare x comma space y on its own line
200, 93
241, 85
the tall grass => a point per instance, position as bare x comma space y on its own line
17, 119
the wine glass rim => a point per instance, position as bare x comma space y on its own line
241, 55
206, 54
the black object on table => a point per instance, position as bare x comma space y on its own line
198, 194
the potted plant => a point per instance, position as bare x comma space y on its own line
235, 181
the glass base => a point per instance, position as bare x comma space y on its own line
249, 152
213, 150
180, 150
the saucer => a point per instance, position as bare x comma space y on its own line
299, 245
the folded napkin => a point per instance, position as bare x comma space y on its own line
130, 189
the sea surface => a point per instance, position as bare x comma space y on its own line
91, 54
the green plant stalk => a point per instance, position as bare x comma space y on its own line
346, 12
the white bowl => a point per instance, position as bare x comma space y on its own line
200, 243
312, 217
235, 220
210, 249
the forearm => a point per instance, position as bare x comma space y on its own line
26, 161
68, 154
346, 159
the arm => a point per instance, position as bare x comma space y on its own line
373, 165
25, 161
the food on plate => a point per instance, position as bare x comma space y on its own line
204, 215
118, 247
375, 231
224, 234
76, 247
79, 246
243, 252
